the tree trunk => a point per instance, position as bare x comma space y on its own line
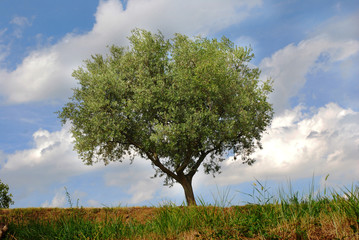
186, 183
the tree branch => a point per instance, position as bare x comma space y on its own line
154, 158
187, 161
182, 167
199, 162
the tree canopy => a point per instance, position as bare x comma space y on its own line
181, 103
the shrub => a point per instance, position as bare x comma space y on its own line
5, 196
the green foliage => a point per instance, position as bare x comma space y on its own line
179, 103
5, 196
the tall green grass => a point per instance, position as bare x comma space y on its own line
327, 214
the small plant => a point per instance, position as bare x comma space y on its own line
260, 194
69, 199
5, 196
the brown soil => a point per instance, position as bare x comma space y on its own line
138, 214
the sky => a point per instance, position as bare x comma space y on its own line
310, 48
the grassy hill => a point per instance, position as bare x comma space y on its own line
330, 217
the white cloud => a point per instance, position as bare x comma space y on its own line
191, 17
4, 49
340, 28
44, 143
289, 66
39, 76
2, 32
143, 191
51, 160
4, 52
46, 73
21, 21
135, 178
298, 145
59, 200
2, 158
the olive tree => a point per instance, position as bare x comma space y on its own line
5, 196
180, 103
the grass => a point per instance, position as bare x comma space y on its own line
290, 216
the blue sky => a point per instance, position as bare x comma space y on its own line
309, 48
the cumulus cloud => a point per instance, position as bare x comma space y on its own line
51, 158
289, 66
44, 144
299, 144
142, 191
46, 73
135, 179
58, 200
